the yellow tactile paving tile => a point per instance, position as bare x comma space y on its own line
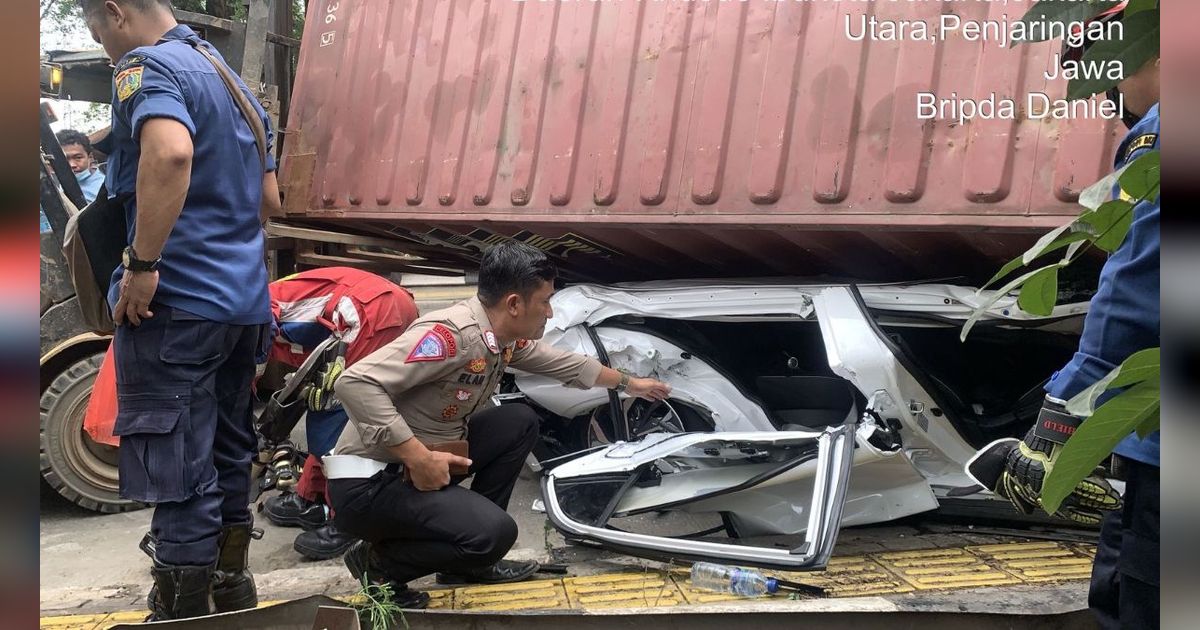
537, 594
943, 568
441, 599
623, 590
852, 576
1037, 561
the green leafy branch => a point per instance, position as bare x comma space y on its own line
1102, 224
1133, 405
1134, 386
1140, 43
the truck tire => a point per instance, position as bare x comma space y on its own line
83, 471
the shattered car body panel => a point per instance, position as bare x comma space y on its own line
699, 465
916, 454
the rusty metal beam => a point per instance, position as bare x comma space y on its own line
376, 266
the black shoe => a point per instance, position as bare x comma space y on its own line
181, 593
292, 510
502, 572
359, 560
233, 584
323, 542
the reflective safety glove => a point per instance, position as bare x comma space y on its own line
320, 395
1015, 469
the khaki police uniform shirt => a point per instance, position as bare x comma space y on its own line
429, 381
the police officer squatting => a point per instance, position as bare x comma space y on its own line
393, 479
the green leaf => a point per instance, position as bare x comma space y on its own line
1110, 223
1051, 241
1008, 268
1140, 366
1063, 11
995, 297
1148, 426
1096, 194
1072, 250
1139, 45
1040, 292
1135, 6
1096, 438
1140, 180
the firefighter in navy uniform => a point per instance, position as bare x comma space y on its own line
1123, 318
389, 488
190, 300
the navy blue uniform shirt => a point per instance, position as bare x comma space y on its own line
212, 263
1123, 317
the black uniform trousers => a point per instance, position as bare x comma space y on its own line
415, 533
187, 433
1125, 577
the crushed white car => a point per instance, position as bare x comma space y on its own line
795, 408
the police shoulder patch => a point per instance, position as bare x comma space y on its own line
437, 345
128, 82
448, 337
1144, 141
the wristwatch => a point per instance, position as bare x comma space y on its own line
130, 261
624, 384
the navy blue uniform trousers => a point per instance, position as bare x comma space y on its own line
185, 421
1125, 578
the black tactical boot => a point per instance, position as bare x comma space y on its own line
181, 592
361, 561
323, 543
289, 509
233, 584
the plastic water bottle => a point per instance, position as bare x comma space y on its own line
744, 582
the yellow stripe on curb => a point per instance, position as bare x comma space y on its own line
73, 622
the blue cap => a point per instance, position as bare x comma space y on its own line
772, 585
